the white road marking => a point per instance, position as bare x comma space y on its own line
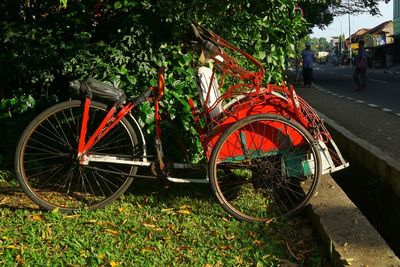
355, 100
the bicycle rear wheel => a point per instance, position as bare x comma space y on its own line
46, 161
263, 167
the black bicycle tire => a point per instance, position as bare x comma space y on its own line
20, 150
213, 158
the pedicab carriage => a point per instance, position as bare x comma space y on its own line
266, 146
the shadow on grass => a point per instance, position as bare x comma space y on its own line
12, 197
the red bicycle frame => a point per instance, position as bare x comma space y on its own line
113, 117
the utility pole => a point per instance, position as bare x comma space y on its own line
349, 34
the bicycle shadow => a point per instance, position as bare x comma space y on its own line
166, 190
12, 198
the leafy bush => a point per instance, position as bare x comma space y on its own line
124, 42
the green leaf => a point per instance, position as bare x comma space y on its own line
117, 5
261, 55
131, 79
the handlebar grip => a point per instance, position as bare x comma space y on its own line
142, 97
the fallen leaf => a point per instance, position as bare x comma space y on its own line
252, 234
20, 260
36, 218
239, 260
113, 232
83, 253
5, 200
184, 207
147, 225
148, 249
102, 257
229, 247
184, 248
184, 212
121, 209
115, 263
168, 211
258, 243
72, 216
230, 238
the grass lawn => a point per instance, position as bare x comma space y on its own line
150, 226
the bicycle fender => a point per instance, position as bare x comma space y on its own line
140, 136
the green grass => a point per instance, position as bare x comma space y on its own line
150, 226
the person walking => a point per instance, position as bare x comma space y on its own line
360, 72
307, 56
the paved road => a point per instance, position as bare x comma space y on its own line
383, 90
373, 116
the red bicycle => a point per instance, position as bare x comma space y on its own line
266, 147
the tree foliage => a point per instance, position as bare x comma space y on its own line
322, 13
44, 44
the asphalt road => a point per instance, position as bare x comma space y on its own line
373, 115
383, 89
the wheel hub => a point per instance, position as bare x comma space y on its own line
265, 169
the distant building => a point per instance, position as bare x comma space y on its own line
379, 35
396, 17
355, 37
396, 31
379, 42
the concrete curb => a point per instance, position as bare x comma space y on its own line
386, 168
351, 239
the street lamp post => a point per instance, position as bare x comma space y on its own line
349, 38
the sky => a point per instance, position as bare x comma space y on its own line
341, 24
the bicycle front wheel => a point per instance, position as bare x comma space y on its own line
47, 167
264, 167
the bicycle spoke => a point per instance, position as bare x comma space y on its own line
259, 168
51, 173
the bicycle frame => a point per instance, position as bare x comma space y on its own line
111, 120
